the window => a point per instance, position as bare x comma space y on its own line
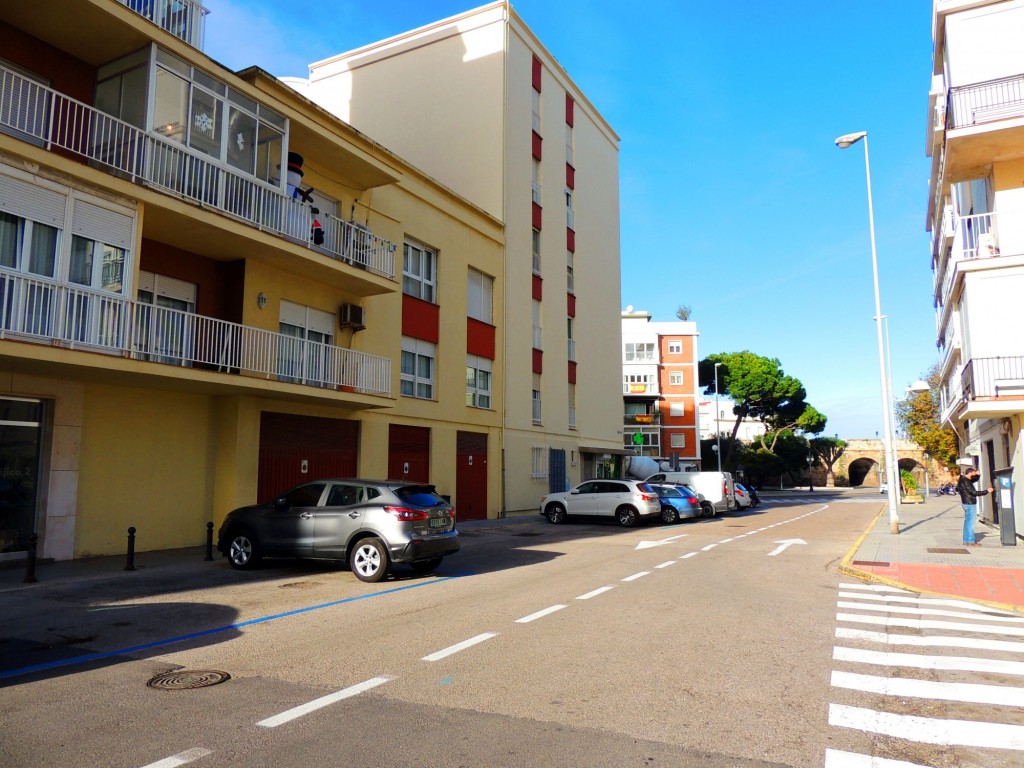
675, 347
26, 115
302, 357
536, 399
637, 382
675, 378
479, 298
478, 382
572, 406
306, 495
570, 323
28, 246
678, 440
538, 463
677, 409
570, 218
536, 252
418, 368
419, 272
568, 144
536, 181
536, 111
162, 328
537, 331
640, 353
570, 281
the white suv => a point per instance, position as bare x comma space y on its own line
625, 500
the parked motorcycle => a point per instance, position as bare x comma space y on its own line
948, 489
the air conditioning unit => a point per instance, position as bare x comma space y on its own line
351, 316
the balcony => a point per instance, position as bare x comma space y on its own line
79, 318
986, 102
47, 118
185, 19
993, 377
973, 237
634, 419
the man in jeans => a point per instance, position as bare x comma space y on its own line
969, 499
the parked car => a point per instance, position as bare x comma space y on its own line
717, 487
755, 498
626, 500
677, 503
369, 524
743, 500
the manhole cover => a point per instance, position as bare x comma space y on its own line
185, 680
948, 551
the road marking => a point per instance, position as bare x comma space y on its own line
709, 546
921, 661
926, 730
928, 624
539, 614
835, 758
649, 544
181, 758
973, 693
931, 612
929, 601
436, 656
688, 555
636, 576
594, 593
666, 564
938, 641
725, 541
874, 588
783, 544
323, 701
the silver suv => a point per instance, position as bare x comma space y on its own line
369, 524
625, 500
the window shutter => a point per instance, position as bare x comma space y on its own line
322, 322
32, 202
293, 314
102, 225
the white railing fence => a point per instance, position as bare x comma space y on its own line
47, 118
185, 19
82, 318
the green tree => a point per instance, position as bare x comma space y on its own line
761, 390
920, 414
828, 450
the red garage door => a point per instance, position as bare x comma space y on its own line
409, 453
471, 476
295, 449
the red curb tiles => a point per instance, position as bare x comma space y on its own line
1001, 585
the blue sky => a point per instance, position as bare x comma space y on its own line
730, 180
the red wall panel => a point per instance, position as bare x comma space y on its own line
538, 361
420, 319
538, 217
538, 287
479, 338
570, 240
570, 304
538, 145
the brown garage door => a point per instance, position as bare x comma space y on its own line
409, 453
290, 444
471, 476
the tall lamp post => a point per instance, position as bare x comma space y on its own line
718, 431
891, 460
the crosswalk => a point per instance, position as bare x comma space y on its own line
921, 682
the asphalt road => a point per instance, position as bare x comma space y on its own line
709, 643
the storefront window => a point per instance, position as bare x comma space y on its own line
20, 432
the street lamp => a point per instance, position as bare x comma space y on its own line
890, 453
718, 431
810, 468
927, 469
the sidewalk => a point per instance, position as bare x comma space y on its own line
928, 555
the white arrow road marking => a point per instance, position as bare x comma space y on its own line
649, 544
783, 544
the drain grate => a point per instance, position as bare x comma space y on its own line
948, 551
186, 680
879, 563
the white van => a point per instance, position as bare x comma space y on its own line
716, 487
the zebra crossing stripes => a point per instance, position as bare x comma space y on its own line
884, 666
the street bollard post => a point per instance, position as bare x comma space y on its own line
130, 564
30, 560
209, 542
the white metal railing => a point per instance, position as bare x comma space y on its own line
572, 350
974, 237
538, 337
572, 417
41, 115
536, 192
536, 410
185, 19
82, 318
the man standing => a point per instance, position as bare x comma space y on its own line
969, 500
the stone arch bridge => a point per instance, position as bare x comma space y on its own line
862, 461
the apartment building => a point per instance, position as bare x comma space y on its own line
479, 103
976, 220
212, 289
717, 417
659, 388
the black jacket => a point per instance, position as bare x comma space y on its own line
968, 493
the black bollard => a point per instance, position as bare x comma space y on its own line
30, 560
130, 565
209, 542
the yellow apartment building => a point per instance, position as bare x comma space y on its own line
212, 289
479, 103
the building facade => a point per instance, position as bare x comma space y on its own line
479, 103
659, 388
212, 289
976, 220
718, 418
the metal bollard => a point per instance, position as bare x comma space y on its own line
130, 565
209, 542
30, 560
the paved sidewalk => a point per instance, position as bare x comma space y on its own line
928, 555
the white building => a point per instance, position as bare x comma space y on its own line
712, 424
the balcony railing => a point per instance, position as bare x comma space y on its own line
631, 419
985, 102
185, 19
993, 377
974, 237
80, 318
47, 118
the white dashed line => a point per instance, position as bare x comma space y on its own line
595, 593
688, 555
709, 546
323, 701
539, 614
460, 646
926, 730
181, 758
636, 576
666, 564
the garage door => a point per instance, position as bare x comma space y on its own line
409, 453
295, 449
471, 476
